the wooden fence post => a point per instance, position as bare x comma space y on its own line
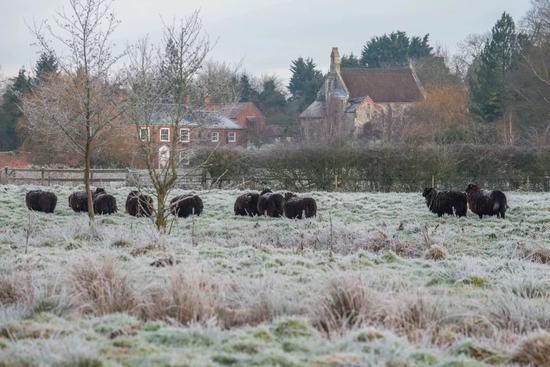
42, 176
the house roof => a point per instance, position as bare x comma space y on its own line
315, 110
165, 114
382, 85
229, 110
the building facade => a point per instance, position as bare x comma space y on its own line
361, 102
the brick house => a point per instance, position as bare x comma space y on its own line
361, 102
245, 114
197, 128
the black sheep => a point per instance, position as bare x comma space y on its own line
41, 201
247, 204
270, 204
484, 202
104, 203
446, 202
186, 205
139, 205
78, 201
296, 207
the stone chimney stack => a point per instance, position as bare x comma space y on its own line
335, 61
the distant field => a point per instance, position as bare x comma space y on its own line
374, 280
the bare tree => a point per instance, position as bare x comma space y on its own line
81, 103
158, 83
468, 51
219, 81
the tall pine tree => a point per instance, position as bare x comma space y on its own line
488, 92
395, 49
246, 90
10, 111
305, 82
46, 66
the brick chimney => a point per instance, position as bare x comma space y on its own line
207, 100
335, 61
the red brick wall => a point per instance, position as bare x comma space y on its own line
252, 110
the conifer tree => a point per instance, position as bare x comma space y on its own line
10, 110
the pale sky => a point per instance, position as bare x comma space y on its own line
265, 35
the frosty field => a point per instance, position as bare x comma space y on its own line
374, 280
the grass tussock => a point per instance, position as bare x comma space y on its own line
99, 288
190, 296
14, 288
345, 305
436, 252
535, 252
534, 350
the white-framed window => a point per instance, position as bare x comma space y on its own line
231, 137
165, 134
215, 136
144, 134
185, 135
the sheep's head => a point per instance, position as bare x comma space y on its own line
472, 188
100, 190
427, 191
289, 195
265, 191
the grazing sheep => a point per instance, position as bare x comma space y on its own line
247, 204
270, 204
484, 202
446, 202
186, 205
139, 205
78, 201
104, 203
295, 207
41, 201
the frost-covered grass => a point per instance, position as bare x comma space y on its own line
375, 279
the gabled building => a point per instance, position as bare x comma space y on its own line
360, 101
245, 114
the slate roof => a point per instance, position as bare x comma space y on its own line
315, 110
382, 85
166, 113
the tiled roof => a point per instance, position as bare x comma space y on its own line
229, 110
382, 85
315, 110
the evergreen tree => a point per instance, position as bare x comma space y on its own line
10, 111
395, 49
350, 61
488, 80
46, 65
305, 82
271, 98
247, 91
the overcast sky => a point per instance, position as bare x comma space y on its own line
266, 34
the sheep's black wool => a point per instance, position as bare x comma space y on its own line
186, 205
485, 202
78, 201
446, 202
41, 201
139, 204
247, 204
104, 204
297, 207
271, 204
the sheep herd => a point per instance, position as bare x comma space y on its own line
268, 203
481, 202
139, 204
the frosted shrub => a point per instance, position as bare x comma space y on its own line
189, 296
534, 350
98, 287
